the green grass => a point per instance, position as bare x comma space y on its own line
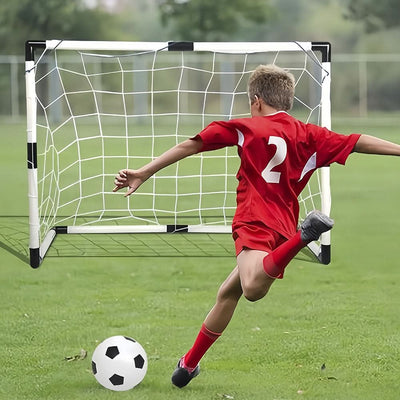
343, 316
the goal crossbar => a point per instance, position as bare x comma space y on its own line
223, 47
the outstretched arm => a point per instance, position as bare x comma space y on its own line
372, 145
134, 178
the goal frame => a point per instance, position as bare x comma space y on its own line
38, 248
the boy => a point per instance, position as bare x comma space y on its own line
278, 156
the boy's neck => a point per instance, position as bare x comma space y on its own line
260, 109
268, 110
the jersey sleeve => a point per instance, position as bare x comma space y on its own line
334, 147
217, 135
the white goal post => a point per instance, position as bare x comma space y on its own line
95, 107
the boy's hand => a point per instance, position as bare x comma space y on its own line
128, 178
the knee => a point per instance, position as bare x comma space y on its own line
254, 281
254, 292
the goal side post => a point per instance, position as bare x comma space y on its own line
324, 252
33, 204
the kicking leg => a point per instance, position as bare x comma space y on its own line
215, 323
228, 296
253, 276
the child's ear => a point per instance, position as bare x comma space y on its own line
258, 102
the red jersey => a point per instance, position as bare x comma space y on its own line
278, 156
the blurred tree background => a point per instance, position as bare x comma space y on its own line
352, 26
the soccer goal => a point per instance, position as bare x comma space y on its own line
95, 107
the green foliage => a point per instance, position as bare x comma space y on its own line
51, 19
210, 20
140, 20
376, 15
199, 20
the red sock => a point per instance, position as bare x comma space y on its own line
276, 261
203, 342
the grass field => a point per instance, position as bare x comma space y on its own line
324, 332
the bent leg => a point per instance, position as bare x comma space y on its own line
258, 269
311, 228
275, 263
254, 281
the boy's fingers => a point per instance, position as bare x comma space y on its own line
129, 192
123, 174
119, 178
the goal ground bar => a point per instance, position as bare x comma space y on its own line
37, 254
145, 229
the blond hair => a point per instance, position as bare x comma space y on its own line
272, 84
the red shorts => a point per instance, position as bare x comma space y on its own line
256, 236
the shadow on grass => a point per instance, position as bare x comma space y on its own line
14, 238
142, 245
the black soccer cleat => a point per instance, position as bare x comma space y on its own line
315, 223
181, 376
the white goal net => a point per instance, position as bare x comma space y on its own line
94, 108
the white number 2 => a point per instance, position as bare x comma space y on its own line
279, 157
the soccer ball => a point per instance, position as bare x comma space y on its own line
119, 363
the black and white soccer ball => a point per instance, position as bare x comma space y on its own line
119, 363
